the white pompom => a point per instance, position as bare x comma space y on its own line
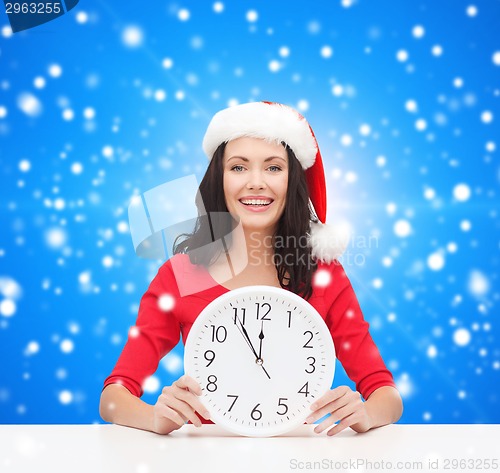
328, 242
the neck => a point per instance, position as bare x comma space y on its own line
251, 249
260, 247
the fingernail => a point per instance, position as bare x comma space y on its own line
310, 420
206, 414
317, 429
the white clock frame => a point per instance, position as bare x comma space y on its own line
276, 389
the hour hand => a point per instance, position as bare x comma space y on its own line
261, 337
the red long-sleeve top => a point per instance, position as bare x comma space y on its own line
181, 290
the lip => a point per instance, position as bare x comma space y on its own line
255, 209
256, 197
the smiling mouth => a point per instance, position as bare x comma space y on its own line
256, 203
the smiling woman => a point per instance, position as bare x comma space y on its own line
242, 169
255, 182
264, 185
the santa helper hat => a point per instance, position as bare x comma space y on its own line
277, 122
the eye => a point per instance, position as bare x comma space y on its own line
239, 166
275, 167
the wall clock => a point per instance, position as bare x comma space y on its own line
261, 355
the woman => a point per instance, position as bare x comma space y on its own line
261, 221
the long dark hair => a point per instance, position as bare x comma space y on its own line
293, 227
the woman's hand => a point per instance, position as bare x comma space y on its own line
344, 405
177, 404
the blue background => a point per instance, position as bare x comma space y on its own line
112, 121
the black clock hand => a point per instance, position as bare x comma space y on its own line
244, 332
261, 337
259, 359
246, 337
267, 374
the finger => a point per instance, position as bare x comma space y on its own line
202, 410
171, 414
343, 424
185, 410
186, 382
347, 410
328, 409
193, 401
328, 422
330, 396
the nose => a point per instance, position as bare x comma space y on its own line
256, 179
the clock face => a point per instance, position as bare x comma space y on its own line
261, 355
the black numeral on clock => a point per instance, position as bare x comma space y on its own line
236, 317
304, 389
256, 414
311, 364
306, 345
209, 355
282, 404
289, 318
235, 399
219, 333
211, 386
263, 305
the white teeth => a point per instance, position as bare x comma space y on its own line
255, 202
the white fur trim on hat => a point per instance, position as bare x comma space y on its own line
272, 122
327, 242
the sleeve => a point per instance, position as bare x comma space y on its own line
354, 346
156, 332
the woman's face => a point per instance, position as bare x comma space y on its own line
255, 182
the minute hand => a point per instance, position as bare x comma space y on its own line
245, 334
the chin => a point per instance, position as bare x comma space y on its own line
258, 227
256, 222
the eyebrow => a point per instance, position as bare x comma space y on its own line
265, 160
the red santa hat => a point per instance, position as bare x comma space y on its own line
276, 123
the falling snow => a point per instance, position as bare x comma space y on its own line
132, 36
29, 104
406, 116
322, 278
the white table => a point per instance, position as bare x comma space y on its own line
113, 448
